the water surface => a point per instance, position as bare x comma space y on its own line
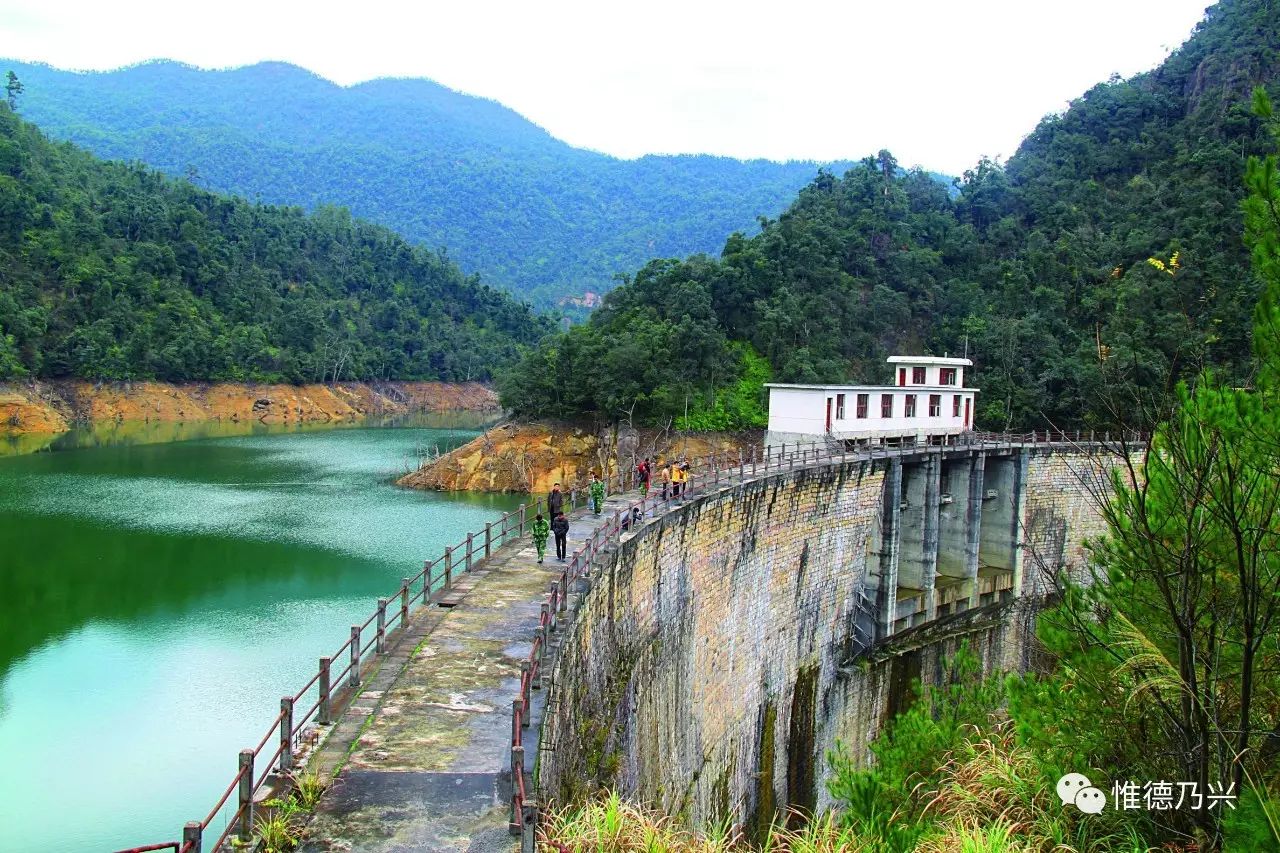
157, 600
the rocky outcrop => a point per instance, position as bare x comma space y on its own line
50, 407
530, 458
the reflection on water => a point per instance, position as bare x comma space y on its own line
157, 599
107, 433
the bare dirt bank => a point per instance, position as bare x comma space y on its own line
530, 458
50, 407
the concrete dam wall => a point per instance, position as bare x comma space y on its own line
722, 651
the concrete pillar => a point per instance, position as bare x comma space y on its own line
890, 528
929, 564
246, 795
286, 734
353, 676
1019, 499
324, 713
973, 525
192, 836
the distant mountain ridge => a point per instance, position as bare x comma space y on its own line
499, 193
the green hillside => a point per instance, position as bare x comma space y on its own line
1040, 268
444, 169
113, 271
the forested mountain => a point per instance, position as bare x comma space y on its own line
444, 169
1104, 256
113, 271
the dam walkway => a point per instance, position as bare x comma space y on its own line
424, 752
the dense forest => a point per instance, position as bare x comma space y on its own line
523, 209
113, 271
1103, 260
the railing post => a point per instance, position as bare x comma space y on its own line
517, 763
191, 836
470, 548
323, 713
525, 684
286, 734
404, 604
517, 711
555, 600
488, 539
502, 534
246, 795
380, 639
528, 826
448, 567
353, 678
520, 529
539, 643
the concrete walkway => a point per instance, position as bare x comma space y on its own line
425, 749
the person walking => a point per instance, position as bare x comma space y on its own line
677, 481
555, 501
540, 531
644, 473
597, 494
664, 476
560, 527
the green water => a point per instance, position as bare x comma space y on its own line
157, 600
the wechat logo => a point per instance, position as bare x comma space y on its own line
1075, 789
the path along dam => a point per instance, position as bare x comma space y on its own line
701, 655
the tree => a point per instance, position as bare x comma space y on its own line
13, 88
1188, 605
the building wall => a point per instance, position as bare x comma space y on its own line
803, 411
723, 650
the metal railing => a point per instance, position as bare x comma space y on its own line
326, 692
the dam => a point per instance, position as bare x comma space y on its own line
703, 656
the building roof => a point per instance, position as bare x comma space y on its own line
929, 359
909, 389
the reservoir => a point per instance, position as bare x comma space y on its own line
158, 597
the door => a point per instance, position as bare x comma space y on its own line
967, 402
828, 414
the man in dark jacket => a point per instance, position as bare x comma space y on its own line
555, 502
560, 527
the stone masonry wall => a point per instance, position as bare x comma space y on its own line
712, 665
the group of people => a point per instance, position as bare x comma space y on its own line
559, 525
673, 477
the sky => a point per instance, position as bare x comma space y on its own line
940, 83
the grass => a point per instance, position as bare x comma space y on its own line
280, 826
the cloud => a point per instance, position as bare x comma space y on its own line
938, 83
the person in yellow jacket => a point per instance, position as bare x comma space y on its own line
679, 479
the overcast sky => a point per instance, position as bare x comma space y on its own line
938, 83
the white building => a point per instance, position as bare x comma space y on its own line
928, 400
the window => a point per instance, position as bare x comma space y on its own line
917, 376
839, 407
909, 408
947, 376
935, 405
886, 405
902, 376
862, 405
955, 406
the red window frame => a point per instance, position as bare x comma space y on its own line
917, 376
955, 406
909, 408
947, 376
935, 405
860, 405
886, 405
839, 407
